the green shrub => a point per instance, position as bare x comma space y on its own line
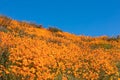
6, 63
54, 29
35, 25
118, 66
3, 29
105, 46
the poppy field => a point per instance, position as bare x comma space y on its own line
31, 52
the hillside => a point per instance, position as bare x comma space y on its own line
31, 52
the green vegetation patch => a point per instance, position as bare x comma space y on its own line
102, 45
54, 29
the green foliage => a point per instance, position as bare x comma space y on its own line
3, 29
54, 29
6, 63
22, 33
105, 46
10, 76
118, 66
69, 77
58, 77
4, 58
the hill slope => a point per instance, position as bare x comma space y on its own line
31, 52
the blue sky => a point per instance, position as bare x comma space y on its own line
86, 17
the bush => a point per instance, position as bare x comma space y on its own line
54, 29
3, 29
114, 38
35, 25
4, 61
105, 46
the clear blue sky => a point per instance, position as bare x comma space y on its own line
87, 17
